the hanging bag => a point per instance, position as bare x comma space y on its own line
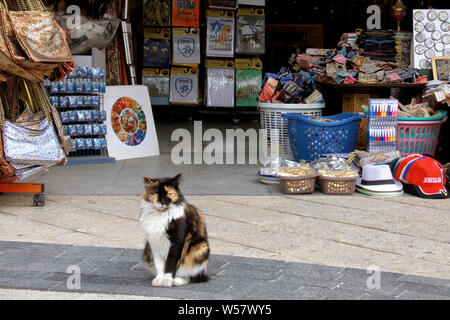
6, 170
32, 143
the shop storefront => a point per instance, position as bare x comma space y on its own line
341, 89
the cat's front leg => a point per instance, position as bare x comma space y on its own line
160, 279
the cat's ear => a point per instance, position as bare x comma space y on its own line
175, 181
150, 182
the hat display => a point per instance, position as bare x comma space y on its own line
422, 176
377, 180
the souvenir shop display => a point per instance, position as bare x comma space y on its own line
382, 125
431, 36
157, 49
251, 31
248, 81
220, 83
186, 46
184, 87
186, 13
156, 13
220, 26
79, 99
158, 84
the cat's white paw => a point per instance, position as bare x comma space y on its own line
158, 281
168, 280
177, 282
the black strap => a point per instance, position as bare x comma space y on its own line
377, 182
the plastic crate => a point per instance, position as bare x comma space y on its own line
419, 136
274, 125
309, 139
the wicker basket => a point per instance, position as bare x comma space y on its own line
337, 185
298, 185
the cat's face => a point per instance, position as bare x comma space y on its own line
163, 192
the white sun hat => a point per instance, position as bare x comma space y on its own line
378, 179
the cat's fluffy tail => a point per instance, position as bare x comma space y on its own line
201, 277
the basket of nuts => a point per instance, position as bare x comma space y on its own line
297, 180
338, 181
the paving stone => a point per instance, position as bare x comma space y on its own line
116, 270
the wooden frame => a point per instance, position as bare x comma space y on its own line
435, 66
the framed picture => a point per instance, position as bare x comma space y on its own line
131, 128
441, 68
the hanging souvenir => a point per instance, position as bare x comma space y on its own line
222, 4
251, 31
185, 13
184, 85
156, 13
220, 33
156, 47
248, 82
186, 46
220, 83
158, 84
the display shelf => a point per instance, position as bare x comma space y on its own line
36, 188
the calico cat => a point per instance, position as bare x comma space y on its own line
177, 241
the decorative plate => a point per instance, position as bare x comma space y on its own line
443, 16
419, 27
420, 37
429, 53
436, 35
429, 26
429, 43
425, 64
420, 49
445, 26
432, 15
419, 16
439, 46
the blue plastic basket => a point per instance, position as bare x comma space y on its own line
309, 139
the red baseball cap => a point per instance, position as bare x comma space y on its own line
423, 176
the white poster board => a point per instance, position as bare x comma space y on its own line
131, 127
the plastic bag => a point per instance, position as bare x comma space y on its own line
90, 33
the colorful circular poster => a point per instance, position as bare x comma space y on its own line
128, 121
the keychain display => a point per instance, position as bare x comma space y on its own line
186, 46
158, 84
156, 48
251, 31
220, 33
79, 99
220, 80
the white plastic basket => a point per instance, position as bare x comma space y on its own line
276, 126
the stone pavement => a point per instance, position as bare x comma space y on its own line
120, 271
263, 247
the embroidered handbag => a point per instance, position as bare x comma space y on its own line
36, 145
40, 36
